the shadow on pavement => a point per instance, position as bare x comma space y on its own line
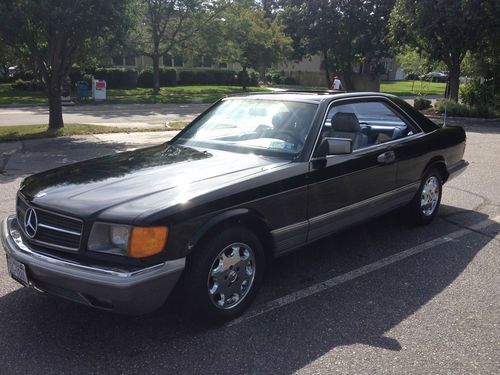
40, 155
44, 334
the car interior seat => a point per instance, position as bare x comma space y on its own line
346, 125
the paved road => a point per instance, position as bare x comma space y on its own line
384, 297
121, 115
124, 115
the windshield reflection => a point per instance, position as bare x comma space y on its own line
260, 126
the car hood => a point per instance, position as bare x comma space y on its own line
123, 186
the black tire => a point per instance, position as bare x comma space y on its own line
416, 211
197, 278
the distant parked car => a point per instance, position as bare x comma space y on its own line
435, 76
12, 71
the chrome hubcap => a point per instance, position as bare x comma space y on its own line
231, 275
430, 196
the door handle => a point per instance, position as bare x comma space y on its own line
387, 157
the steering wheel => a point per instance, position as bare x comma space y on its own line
288, 135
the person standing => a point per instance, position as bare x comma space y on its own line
337, 84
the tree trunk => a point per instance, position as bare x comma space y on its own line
327, 71
156, 73
244, 78
347, 85
55, 106
454, 79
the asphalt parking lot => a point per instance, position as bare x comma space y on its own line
383, 297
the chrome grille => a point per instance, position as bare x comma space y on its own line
54, 230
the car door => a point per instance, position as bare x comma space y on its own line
349, 188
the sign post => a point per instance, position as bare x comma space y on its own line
99, 89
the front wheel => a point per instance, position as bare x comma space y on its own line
425, 205
223, 275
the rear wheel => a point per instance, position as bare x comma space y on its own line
223, 275
425, 204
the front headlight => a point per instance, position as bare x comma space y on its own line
125, 240
109, 238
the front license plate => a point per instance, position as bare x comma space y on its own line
17, 270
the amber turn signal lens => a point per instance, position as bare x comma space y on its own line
147, 241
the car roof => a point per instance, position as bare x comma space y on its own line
307, 96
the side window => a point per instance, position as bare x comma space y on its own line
366, 123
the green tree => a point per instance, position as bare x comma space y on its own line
167, 25
55, 33
344, 32
414, 62
7, 58
249, 38
445, 30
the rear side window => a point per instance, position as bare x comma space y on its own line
426, 124
366, 123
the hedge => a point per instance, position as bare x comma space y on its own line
168, 77
117, 78
145, 79
209, 77
28, 85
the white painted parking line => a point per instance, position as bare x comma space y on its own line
337, 280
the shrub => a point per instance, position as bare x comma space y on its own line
28, 85
187, 77
212, 77
276, 78
205, 77
117, 78
224, 77
76, 74
421, 104
463, 110
452, 108
168, 77
252, 79
24, 75
290, 81
145, 79
478, 95
88, 78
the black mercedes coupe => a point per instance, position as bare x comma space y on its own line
252, 178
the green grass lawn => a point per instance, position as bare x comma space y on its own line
410, 88
10, 96
22, 132
179, 94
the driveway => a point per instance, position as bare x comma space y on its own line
384, 297
121, 115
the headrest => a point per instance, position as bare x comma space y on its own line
279, 119
345, 122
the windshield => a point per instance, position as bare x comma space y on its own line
268, 127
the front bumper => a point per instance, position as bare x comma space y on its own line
122, 291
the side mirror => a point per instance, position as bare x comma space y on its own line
335, 146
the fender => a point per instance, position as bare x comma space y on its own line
238, 214
439, 163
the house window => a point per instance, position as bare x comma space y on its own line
178, 60
130, 60
117, 60
167, 59
207, 62
197, 61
